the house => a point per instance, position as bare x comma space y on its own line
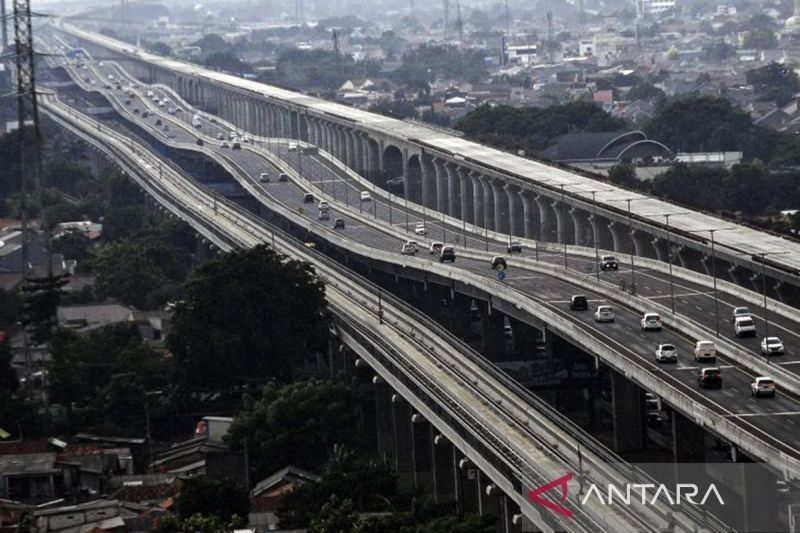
85, 228
99, 515
89, 317
204, 454
265, 497
30, 473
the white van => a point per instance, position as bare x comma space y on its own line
745, 326
705, 351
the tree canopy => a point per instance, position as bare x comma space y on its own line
100, 377
249, 316
221, 499
533, 129
427, 62
774, 82
297, 424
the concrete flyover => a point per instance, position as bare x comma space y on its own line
483, 186
451, 421
591, 344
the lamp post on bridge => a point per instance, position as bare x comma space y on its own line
764, 290
669, 256
713, 231
594, 232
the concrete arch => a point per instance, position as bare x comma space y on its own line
372, 170
413, 179
428, 187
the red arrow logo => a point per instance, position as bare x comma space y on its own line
536, 495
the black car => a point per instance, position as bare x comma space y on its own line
499, 263
609, 262
448, 254
514, 247
578, 303
283, 177
158, 122
308, 198
199, 142
338, 223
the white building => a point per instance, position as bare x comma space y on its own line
654, 7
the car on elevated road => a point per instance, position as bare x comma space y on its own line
740, 312
609, 262
762, 386
419, 229
514, 247
499, 263
709, 378
604, 313
448, 254
651, 322
705, 351
578, 302
666, 353
772, 346
408, 249
435, 248
365, 196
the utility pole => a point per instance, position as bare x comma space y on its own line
446, 27
3, 23
459, 22
550, 38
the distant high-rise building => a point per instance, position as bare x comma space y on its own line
654, 7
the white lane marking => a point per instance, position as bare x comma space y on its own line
682, 295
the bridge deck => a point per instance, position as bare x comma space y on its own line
738, 238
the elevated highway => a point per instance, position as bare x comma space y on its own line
484, 187
760, 428
475, 409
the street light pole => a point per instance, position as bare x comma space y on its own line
764, 287
669, 256
594, 236
564, 226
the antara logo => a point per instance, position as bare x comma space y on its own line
536, 495
643, 493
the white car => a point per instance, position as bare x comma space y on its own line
419, 229
415, 244
739, 312
651, 321
435, 247
772, 346
604, 313
408, 249
323, 205
744, 326
762, 386
365, 196
666, 353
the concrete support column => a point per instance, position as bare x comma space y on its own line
548, 228
620, 237
444, 471
491, 497
477, 200
688, 440
516, 220
468, 488
562, 224
488, 204
349, 149
502, 215
422, 453
401, 426
530, 214
493, 345
383, 417
442, 186
453, 190
582, 230
628, 414
467, 195
429, 189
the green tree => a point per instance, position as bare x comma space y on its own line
395, 108
533, 129
774, 82
297, 424
228, 62
335, 517
370, 486
127, 273
760, 40
41, 298
697, 186
221, 499
624, 174
100, 377
197, 523
249, 316
9, 383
